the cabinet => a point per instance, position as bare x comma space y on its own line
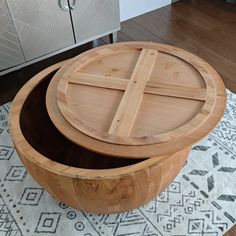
42, 26
94, 17
46, 27
10, 48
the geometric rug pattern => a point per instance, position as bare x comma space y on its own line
200, 201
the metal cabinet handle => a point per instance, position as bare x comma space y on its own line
63, 5
73, 4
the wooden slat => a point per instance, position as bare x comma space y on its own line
99, 81
117, 83
126, 113
176, 91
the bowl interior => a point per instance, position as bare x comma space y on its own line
43, 136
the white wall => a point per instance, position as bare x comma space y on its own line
132, 8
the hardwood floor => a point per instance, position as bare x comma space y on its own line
204, 27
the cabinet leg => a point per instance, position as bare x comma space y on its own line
113, 37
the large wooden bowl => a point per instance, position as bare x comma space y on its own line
115, 125
81, 178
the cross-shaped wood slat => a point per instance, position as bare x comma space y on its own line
117, 83
134, 89
125, 115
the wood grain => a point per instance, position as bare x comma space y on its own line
128, 108
177, 115
78, 177
205, 28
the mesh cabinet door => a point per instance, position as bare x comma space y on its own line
10, 49
94, 18
43, 26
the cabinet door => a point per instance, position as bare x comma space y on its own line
94, 18
43, 26
10, 49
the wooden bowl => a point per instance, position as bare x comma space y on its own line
80, 178
115, 125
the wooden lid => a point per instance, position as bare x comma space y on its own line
137, 94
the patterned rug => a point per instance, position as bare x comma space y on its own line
201, 200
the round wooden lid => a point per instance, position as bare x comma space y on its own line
137, 95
